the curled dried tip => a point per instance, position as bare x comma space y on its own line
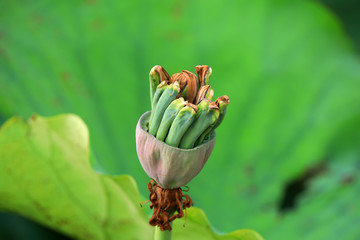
222, 100
188, 84
163, 75
213, 105
204, 73
182, 79
204, 99
193, 106
204, 92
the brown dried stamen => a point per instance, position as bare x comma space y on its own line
165, 203
163, 75
202, 72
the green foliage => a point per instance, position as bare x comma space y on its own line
46, 176
290, 73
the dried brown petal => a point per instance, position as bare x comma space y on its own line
203, 73
164, 76
182, 78
213, 105
203, 91
223, 98
187, 80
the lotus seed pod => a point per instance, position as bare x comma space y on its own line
169, 166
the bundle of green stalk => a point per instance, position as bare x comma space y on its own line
183, 114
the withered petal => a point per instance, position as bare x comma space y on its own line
202, 93
164, 76
191, 86
202, 72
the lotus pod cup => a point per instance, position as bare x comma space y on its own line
169, 166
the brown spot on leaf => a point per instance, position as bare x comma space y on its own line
90, 2
36, 19
178, 10
97, 24
252, 189
347, 180
33, 117
249, 170
65, 76
62, 222
56, 102
3, 52
173, 35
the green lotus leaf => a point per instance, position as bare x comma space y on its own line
287, 66
46, 176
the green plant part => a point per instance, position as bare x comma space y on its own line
174, 163
181, 124
46, 177
159, 91
222, 102
204, 119
166, 98
156, 76
169, 116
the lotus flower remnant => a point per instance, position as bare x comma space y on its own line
176, 138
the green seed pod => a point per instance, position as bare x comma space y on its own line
156, 76
181, 123
159, 91
169, 166
165, 99
204, 120
169, 116
222, 102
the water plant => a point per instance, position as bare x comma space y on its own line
176, 138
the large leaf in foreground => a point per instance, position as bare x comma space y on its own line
45, 175
286, 65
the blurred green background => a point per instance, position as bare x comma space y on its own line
287, 158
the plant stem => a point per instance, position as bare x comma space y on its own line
162, 235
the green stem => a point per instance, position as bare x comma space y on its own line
162, 235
